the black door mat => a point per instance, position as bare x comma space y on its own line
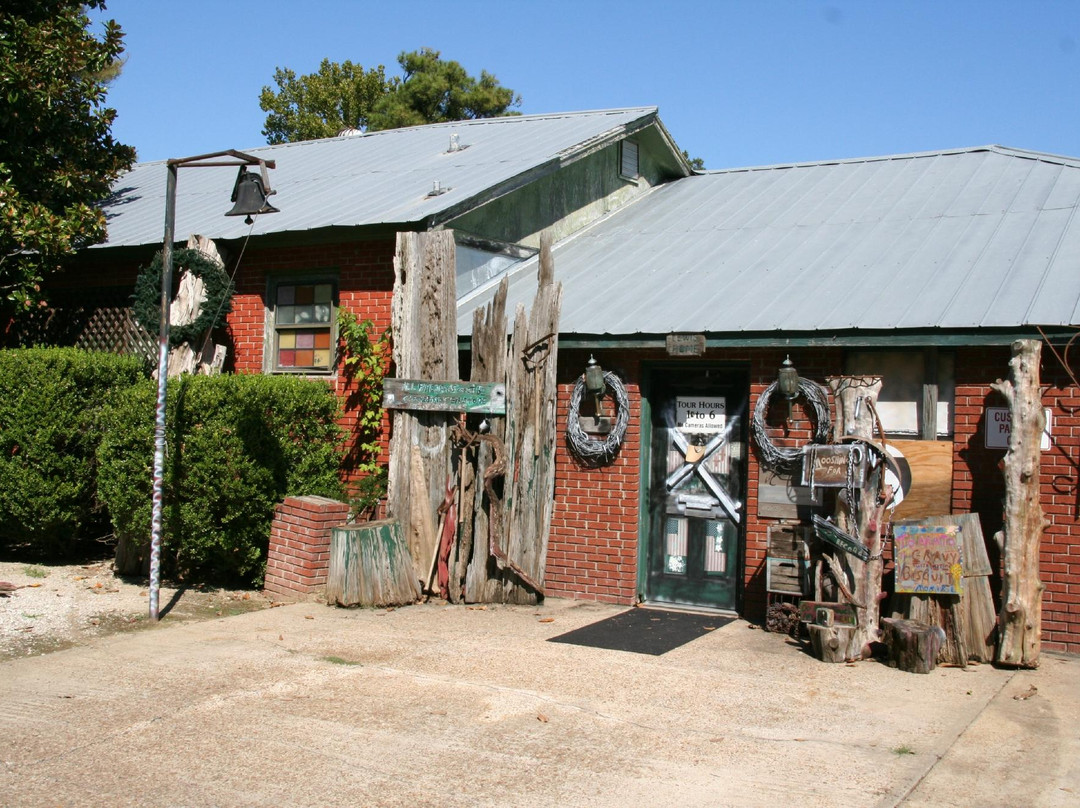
644, 631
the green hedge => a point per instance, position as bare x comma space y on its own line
236, 446
51, 405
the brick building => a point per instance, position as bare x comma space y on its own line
692, 289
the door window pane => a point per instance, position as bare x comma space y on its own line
675, 544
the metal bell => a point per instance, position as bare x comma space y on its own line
249, 196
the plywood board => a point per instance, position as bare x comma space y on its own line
931, 463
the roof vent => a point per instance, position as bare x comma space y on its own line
350, 131
455, 143
437, 189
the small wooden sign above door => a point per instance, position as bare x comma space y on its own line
415, 394
685, 344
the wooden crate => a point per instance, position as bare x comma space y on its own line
785, 576
787, 560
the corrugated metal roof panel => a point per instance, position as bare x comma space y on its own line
964, 239
378, 178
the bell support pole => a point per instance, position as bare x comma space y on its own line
256, 207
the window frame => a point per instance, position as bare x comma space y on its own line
636, 175
274, 329
938, 365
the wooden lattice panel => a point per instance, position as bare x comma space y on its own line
114, 329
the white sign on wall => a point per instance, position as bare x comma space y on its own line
700, 413
999, 427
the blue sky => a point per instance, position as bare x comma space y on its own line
738, 82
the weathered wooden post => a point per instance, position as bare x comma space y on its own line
203, 356
424, 321
1020, 619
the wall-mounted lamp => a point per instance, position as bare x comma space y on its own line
787, 382
594, 378
595, 386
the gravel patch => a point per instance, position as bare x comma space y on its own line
53, 607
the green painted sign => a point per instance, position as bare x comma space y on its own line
831, 534
416, 394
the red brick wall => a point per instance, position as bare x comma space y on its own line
365, 272
1059, 560
299, 555
593, 548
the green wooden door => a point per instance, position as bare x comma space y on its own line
697, 484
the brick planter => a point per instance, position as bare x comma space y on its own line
299, 555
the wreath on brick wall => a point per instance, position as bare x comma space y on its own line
218, 303
591, 451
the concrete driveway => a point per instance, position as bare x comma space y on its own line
440, 706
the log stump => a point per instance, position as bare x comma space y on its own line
370, 565
913, 646
835, 643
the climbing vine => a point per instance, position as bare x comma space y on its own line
365, 360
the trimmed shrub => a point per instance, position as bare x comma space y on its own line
51, 403
236, 446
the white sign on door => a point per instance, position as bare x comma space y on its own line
999, 427
700, 413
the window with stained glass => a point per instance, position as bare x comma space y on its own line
304, 327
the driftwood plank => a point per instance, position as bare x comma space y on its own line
855, 398
204, 358
530, 440
488, 365
974, 609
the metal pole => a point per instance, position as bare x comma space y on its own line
163, 375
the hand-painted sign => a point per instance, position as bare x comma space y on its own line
415, 394
830, 533
929, 559
833, 466
700, 413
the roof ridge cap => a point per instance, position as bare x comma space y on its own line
996, 149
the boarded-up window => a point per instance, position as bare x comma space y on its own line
910, 378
